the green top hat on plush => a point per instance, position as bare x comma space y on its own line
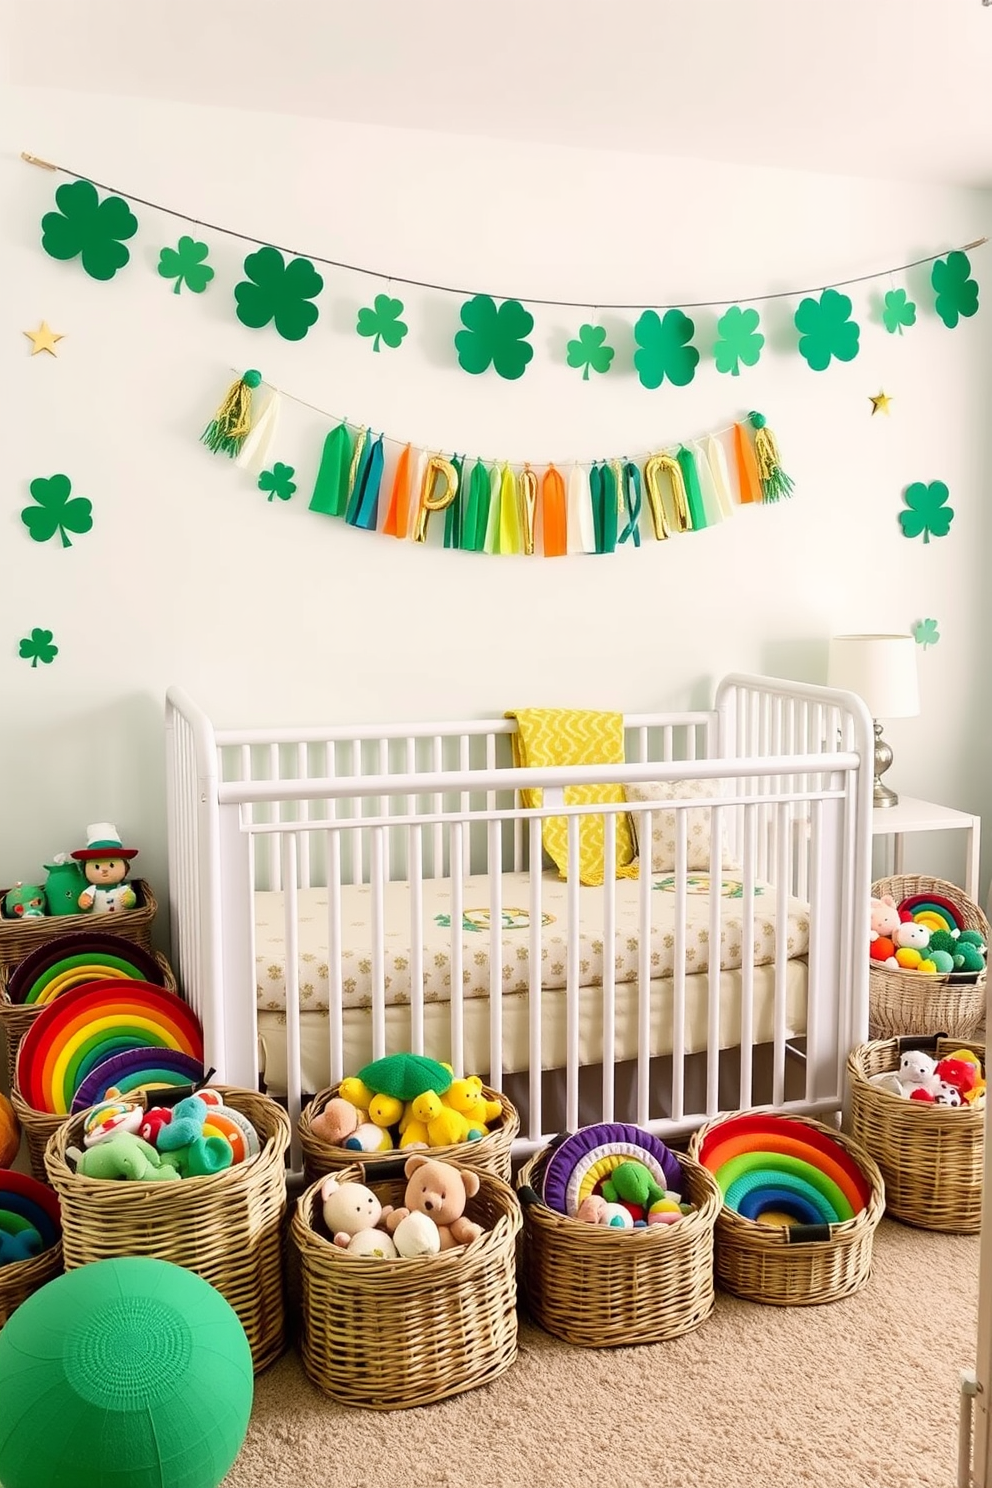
103, 841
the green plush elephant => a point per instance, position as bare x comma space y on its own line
123, 1156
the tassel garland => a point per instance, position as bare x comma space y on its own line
774, 481
231, 424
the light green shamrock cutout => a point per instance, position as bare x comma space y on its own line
494, 336
89, 227
740, 340
927, 510
925, 633
827, 330
278, 481
184, 263
589, 351
664, 349
280, 292
957, 293
382, 321
38, 646
55, 513
899, 311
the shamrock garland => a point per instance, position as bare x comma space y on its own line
957, 292
898, 311
184, 263
90, 228
664, 348
589, 351
740, 340
55, 512
925, 633
278, 291
278, 481
382, 322
827, 330
928, 512
38, 646
494, 336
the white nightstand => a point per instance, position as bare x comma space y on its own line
925, 816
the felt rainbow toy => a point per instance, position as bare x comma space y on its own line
583, 1160
25, 1201
85, 1026
78, 957
775, 1170
933, 910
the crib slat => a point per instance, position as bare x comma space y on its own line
535, 1045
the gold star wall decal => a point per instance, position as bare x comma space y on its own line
880, 403
43, 339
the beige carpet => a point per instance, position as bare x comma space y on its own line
857, 1393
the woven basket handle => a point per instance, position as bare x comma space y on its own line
528, 1195
925, 1043
802, 1234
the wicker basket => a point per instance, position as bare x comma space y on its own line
771, 1264
602, 1288
18, 1279
931, 1157
491, 1154
37, 1127
19, 937
392, 1334
227, 1227
911, 1002
16, 1017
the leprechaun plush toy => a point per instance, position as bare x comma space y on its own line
106, 865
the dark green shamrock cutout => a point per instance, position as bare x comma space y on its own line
382, 321
927, 512
494, 336
899, 311
185, 264
957, 294
589, 350
925, 633
38, 647
827, 330
740, 340
90, 227
664, 348
278, 481
280, 292
55, 513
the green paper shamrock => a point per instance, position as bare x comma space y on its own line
827, 330
926, 633
382, 321
494, 335
38, 647
664, 348
590, 350
927, 512
185, 264
278, 481
55, 512
280, 292
741, 341
899, 311
957, 294
90, 227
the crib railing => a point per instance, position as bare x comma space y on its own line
799, 820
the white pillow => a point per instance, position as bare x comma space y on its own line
698, 823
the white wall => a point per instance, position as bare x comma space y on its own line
269, 613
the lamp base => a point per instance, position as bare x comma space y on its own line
882, 795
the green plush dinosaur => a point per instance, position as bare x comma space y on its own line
123, 1156
632, 1183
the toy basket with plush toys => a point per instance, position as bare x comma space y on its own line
92, 881
408, 1281
30, 1225
618, 1238
929, 948
918, 1106
407, 1101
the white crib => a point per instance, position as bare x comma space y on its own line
372, 845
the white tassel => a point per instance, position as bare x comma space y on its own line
712, 510
253, 452
717, 461
580, 528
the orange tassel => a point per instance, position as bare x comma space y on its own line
555, 531
747, 466
398, 514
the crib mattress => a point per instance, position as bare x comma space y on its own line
515, 941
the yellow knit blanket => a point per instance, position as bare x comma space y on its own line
567, 736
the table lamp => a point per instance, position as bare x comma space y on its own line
882, 670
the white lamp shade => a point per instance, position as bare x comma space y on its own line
879, 668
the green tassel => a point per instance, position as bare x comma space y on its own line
231, 424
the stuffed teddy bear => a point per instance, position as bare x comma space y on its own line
439, 1190
349, 1209
885, 917
343, 1124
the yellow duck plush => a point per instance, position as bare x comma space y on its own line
444, 1126
466, 1096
